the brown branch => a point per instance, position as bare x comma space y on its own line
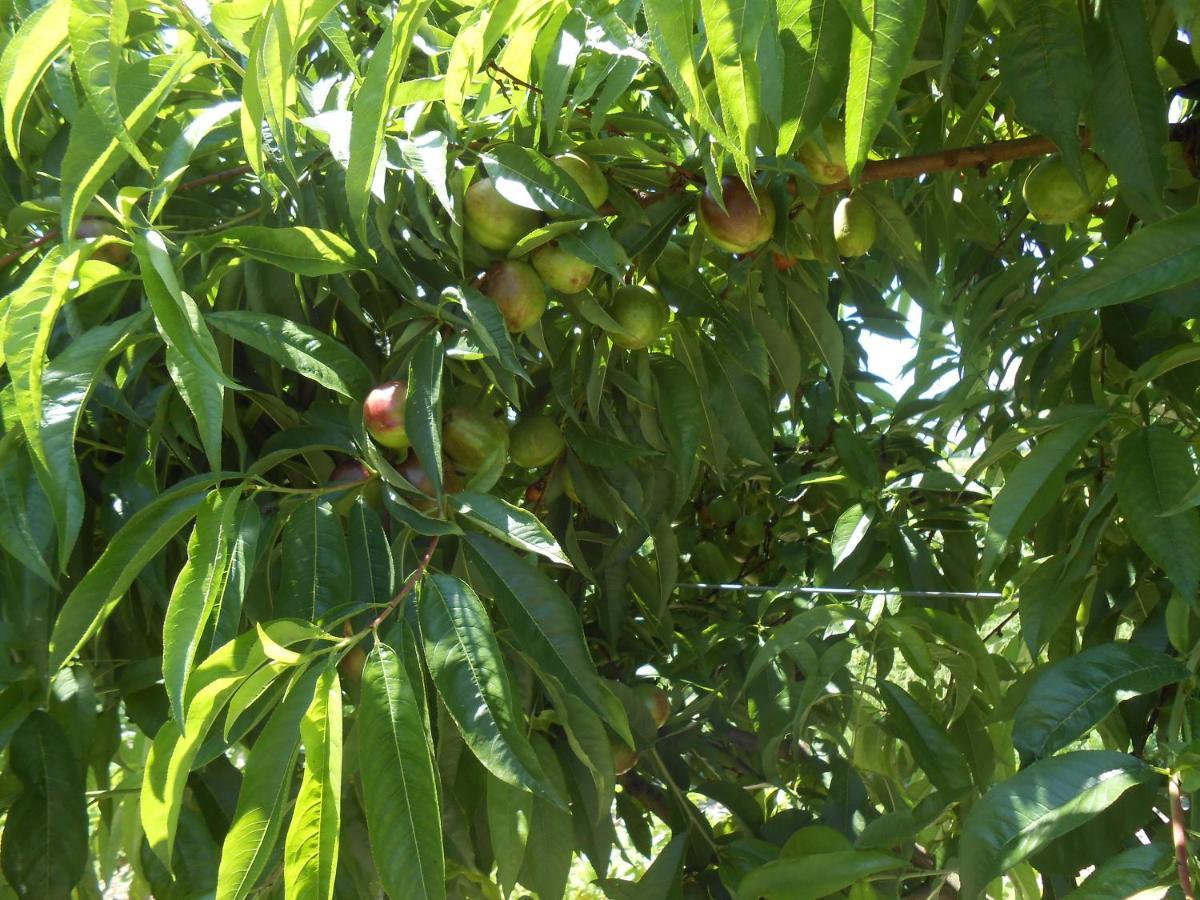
980, 156
408, 585
215, 178
1179, 834
9, 258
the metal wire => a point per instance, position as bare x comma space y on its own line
842, 591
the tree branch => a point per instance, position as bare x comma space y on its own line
1179, 834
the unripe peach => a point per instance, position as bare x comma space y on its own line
562, 271
586, 174
744, 225
518, 292
494, 221
383, 414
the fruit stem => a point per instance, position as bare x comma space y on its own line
408, 586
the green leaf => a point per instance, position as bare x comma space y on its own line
1019, 816
304, 251
796, 630
1035, 483
1125, 875
178, 153
509, 811
1128, 110
175, 747
596, 245
1155, 258
511, 524
311, 845
372, 568
139, 540
44, 849
480, 32
468, 669
97, 30
400, 786
192, 357
93, 155
815, 875
681, 417
266, 782
269, 88
877, 65
1074, 695
316, 562
657, 881
1154, 468
302, 349
550, 830
1044, 68
373, 107
672, 30
526, 178
733, 29
821, 329
815, 35
67, 384
41, 38
201, 581
928, 741
547, 625
423, 406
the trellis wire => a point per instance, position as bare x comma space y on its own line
842, 591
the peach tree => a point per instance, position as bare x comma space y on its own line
599, 448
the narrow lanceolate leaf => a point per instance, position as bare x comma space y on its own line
400, 788
815, 35
316, 562
270, 87
97, 33
821, 874
192, 357
175, 747
928, 741
1128, 109
298, 249
1156, 258
672, 30
1154, 469
1073, 695
138, 541
468, 669
547, 626
481, 30
178, 152
1024, 813
373, 107
511, 524
44, 846
1044, 68
93, 155
302, 349
67, 384
26, 58
733, 28
266, 783
27, 326
311, 846
423, 406
200, 582
526, 178
877, 64
1034, 485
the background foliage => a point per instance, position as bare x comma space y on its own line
186, 600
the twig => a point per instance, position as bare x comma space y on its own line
9, 258
408, 585
1179, 834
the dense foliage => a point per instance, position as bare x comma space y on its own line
388, 389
